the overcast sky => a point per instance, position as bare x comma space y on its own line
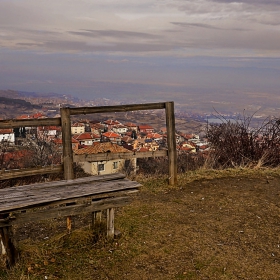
84, 47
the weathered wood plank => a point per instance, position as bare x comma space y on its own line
58, 212
9, 174
86, 199
118, 108
111, 156
35, 197
14, 204
30, 122
61, 183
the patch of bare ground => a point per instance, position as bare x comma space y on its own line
212, 225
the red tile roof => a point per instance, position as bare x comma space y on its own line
145, 126
110, 134
130, 124
23, 117
154, 135
143, 149
44, 128
85, 135
77, 125
127, 139
102, 148
112, 122
6, 131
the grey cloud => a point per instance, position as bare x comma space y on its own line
29, 44
100, 47
202, 25
253, 2
113, 34
40, 32
207, 26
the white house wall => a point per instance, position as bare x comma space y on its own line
8, 137
92, 167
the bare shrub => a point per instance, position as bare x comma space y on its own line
33, 151
190, 161
159, 166
236, 144
153, 166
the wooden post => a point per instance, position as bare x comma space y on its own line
110, 222
9, 247
67, 144
67, 151
171, 142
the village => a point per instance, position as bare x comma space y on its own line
21, 147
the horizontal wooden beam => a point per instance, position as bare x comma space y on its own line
16, 173
112, 156
30, 123
118, 108
63, 211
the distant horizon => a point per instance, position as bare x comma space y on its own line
237, 103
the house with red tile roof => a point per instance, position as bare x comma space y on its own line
38, 115
145, 128
120, 129
23, 117
77, 128
7, 135
111, 137
106, 166
97, 128
48, 133
131, 126
75, 143
127, 139
154, 136
111, 123
86, 138
187, 147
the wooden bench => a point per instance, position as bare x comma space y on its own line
55, 199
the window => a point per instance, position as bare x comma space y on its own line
115, 165
101, 167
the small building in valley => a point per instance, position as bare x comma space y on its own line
105, 166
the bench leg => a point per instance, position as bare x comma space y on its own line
9, 247
69, 223
110, 222
96, 218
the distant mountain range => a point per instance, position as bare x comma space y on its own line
15, 103
23, 94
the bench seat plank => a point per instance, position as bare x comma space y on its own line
36, 195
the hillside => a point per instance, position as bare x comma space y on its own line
213, 225
13, 104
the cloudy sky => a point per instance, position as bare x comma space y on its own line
92, 48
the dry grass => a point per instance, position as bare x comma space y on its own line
212, 225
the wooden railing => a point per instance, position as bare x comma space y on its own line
69, 159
